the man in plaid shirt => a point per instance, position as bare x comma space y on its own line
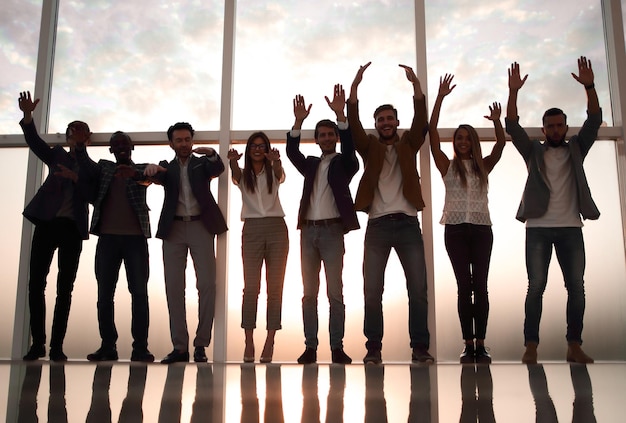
120, 219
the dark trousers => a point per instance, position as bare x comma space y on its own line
469, 248
59, 234
110, 252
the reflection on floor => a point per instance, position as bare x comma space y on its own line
274, 393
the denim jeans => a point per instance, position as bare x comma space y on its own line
570, 252
469, 248
111, 250
322, 244
61, 234
402, 233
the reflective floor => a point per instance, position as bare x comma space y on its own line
130, 392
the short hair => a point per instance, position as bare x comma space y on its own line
177, 126
76, 123
553, 112
326, 123
122, 133
386, 107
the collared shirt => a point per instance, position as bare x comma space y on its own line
187, 203
388, 195
261, 202
322, 205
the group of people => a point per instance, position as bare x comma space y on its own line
555, 197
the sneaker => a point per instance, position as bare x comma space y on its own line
309, 356
575, 354
468, 354
35, 352
373, 357
56, 354
340, 357
482, 355
421, 355
103, 354
530, 355
142, 355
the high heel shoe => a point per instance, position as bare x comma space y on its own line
248, 358
267, 357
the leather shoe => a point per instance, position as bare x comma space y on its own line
103, 354
199, 356
482, 355
176, 357
373, 356
56, 354
340, 357
35, 352
421, 355
142, 355
309, 356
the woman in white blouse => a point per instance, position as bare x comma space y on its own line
264, 237
468, 235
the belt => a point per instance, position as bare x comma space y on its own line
187, 218
393, 216
322, 222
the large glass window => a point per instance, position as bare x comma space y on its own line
477, 42
284, 48
120, 65
19, 38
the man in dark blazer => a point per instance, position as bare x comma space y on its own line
121, 222
189, 221
326, 214
59, 212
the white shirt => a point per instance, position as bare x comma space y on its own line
187, 203
261, 203
388, 196
467, 204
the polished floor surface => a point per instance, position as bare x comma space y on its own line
79, 391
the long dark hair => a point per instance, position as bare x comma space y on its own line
249, 177
478, 165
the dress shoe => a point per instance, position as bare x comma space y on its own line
420, 354
309, 356
530, 355
142, 355
35, 352
482, 355
56, 354
199, 356
175, 357
373, 356
468, 355
575, 354
340, 357
103, 354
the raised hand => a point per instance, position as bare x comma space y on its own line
300, 110
339, 100
495, 112
444, 84
273, 155
359, 75
585, 72
412, 77
515, 80
207, 151
25, 102
233, 154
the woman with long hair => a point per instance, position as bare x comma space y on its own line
264, 237
468, 235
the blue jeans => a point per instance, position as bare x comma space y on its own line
570, 252
322, 244
111, 250
402, 233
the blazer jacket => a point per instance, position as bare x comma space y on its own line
340, 172
201, 171
373, 151
46, 203
536, 195
98, 177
